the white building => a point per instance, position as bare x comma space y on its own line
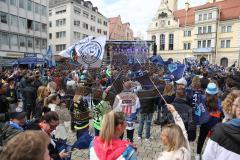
72, 20
23, 27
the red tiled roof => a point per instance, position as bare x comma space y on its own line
229, 9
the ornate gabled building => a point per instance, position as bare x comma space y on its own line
210, 31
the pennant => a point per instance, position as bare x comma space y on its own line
157, 60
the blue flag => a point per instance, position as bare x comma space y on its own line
157, 60
177, 70
50, 58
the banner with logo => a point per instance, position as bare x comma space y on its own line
88, 52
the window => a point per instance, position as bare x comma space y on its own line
37, 26
169, 23
228, 43
204, 44
22, 23
4, 17
13, 40
13, 2
61, 11
85, 14
99, 31
225, 43
154, 38
22, 41
162, 42
199, 30
99, 21
222, 43
36, 8
44, 11
105, 33
187, 46
77, 10
105, 23
199, 44
205, 16
3, 1
85, 25
50, 35
50, 14
209, 43
187, 33
29, 24
13, 20
61, 34
30, 42
44, 27
229, 28
204, 29
171, 40
84, 36
92, 28
209, 29
4, 38
30, 5
61, 22
223, 29
200, 17
60, 47
76, 23
209, 15
44, 44
77, 35
22, 4
37, 43
50, 24
93, 18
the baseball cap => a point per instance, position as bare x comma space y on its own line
18, 114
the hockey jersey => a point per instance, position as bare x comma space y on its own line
128, 103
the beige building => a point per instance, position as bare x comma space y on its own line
119, 30
23, 28
210, 31
73, 20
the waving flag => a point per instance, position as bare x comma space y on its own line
49, 57
88, 52
177, 70
157, 60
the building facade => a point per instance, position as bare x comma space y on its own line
73, 20
210, 31
119, 30
23, 27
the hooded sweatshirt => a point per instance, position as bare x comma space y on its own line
119, 149
224, 142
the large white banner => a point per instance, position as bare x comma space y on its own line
89, 51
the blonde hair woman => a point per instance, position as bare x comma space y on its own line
109, 146
196, 83
175, 139
42, 94
227, 104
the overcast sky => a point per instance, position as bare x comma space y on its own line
138, 12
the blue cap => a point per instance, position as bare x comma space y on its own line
212, 89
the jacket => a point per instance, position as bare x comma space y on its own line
186, 113
8, 131
119, 150
147, 104
29, 94
183, 153
224, 142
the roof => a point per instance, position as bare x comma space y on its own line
229, 9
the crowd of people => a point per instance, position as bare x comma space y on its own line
39, 109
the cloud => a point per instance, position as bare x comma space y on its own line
138, 13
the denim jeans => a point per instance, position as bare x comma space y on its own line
147, 118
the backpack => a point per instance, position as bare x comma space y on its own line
201, 113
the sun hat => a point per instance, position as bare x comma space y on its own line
212, 89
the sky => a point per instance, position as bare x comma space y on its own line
138, 13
